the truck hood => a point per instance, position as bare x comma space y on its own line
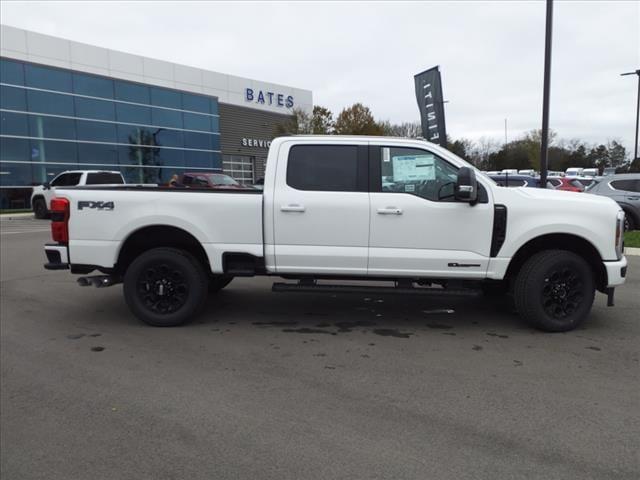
556, 199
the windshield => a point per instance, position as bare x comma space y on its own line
219, 179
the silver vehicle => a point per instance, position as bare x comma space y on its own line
624, 189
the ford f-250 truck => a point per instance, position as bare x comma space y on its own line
346, 208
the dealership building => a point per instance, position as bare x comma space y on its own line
66, 105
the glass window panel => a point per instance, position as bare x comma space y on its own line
53, 103
128, 155
15, 174
46, 172
97, 154
52, 127
133, 114
14, 149
169, 138
171, 157
166, 118
13, 98
196, 103
215, 124
52, 151
96, 131
197, 159
48, 78
194, 121
92, 85
129, 134
165, 98
98, 109
198, 140
216, 158
131, 92
323, 167
11, 72
213, 105
14, 124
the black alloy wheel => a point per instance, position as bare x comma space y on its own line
165, 287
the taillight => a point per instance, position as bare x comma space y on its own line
60, 208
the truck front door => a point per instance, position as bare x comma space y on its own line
417, 227
321, 209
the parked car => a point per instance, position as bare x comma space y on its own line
574, 172
324, 215
218, 181
590, 172
624, 189
42, 194
515, 180
530, 172
567, 184
609, 171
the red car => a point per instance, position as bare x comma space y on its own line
567, 184
218, 181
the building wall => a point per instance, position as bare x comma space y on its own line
246, 134
58, 52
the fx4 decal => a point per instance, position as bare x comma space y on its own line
82, 204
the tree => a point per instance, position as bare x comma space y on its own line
617, 153
357, 120
405, 129
297, 124
322, 122
462, 147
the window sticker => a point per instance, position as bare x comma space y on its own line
386, 154
413, 168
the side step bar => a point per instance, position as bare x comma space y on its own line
309, 287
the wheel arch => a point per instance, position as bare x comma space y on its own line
560, 241
155, 236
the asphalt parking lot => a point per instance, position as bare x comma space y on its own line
306, 386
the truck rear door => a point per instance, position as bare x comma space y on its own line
321, 208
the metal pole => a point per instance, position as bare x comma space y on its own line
635, 145
544, 147
505, 131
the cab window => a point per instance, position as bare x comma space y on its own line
417, 172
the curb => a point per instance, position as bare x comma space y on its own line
632, 251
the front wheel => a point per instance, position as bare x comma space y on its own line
554, 290
629, 222
165, 287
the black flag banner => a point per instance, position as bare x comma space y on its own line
431, 105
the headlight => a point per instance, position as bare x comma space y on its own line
619, 234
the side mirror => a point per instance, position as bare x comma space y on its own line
46, 186
467, 186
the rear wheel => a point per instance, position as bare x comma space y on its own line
165, 287
40, 208
554, 290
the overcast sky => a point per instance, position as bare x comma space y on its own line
490, 54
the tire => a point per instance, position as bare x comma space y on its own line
629, 222
218, 282
40, 208
554, 290
165, 287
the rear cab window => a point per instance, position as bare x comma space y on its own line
104, 178
327, 168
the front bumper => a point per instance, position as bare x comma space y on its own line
57, 256
616, 272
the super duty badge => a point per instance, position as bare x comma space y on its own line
82, 204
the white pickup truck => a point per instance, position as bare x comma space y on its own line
346, 208
42, 194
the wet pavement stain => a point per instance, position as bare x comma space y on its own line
597, 349
372, 344
319, 354
323, 325
97, 349
388, 332
439, 326
453, 334
276, 323
307, 330
493, 334
349, 326
517, 363
95, 334
75, 336
477, 348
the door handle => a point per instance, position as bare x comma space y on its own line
292, 208
390, 211
633, 198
